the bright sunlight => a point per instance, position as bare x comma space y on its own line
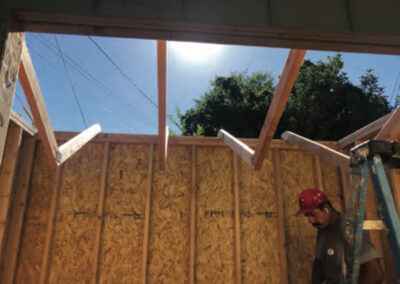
195, 52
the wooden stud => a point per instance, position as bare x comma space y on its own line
7, 173
69, 148
345, 187
237, 146
30, 85
10, 56
363, 132
325, 153
276, 160
278, 104
21, 189
238, 259
46, 261
318, 173
391, 129
395, 182
100, 211
147, 217
162, 91
193, 219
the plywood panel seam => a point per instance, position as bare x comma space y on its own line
147, 217
47, 255
100, 211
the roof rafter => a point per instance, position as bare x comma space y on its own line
278, 104
163, 131
31, 88
391, 129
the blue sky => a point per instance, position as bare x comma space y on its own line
119, 105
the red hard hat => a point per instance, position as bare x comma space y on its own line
310, 199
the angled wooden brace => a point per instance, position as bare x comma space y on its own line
278, 104
274, 114
34, 96
391, 129
237, 146
364, 132
325, 153
163, 131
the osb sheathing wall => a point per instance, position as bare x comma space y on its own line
109, 215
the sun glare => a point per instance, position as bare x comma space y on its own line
195, 52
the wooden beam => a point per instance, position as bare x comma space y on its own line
100, 211
238, 258
162, 92
147, 217
30, 85
46, 260
276, 162
278, 104
193, 219
7, 174
325, 153
10, 56
290, 25
179, 140
21, 189
374, 225
18, 120
237, 146
318, 173
69, 148
362, 133
391, 129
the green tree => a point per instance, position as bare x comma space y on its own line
324, 105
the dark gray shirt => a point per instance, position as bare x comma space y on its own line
333, 251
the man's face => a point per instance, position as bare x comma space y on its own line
319, 218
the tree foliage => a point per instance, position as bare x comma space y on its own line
324, 105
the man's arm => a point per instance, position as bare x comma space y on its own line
371, 272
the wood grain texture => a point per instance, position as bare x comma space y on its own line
10, 57
279, 100
33, 94
19, 207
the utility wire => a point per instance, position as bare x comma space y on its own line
24, 108
81, 70
71, 83
78, 68
130, 80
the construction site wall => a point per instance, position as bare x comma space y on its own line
109, 215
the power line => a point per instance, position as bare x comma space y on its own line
78, 68
127, 77
24, 108
71, 83
122, 71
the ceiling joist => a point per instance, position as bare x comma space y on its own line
31, 88
163, 131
